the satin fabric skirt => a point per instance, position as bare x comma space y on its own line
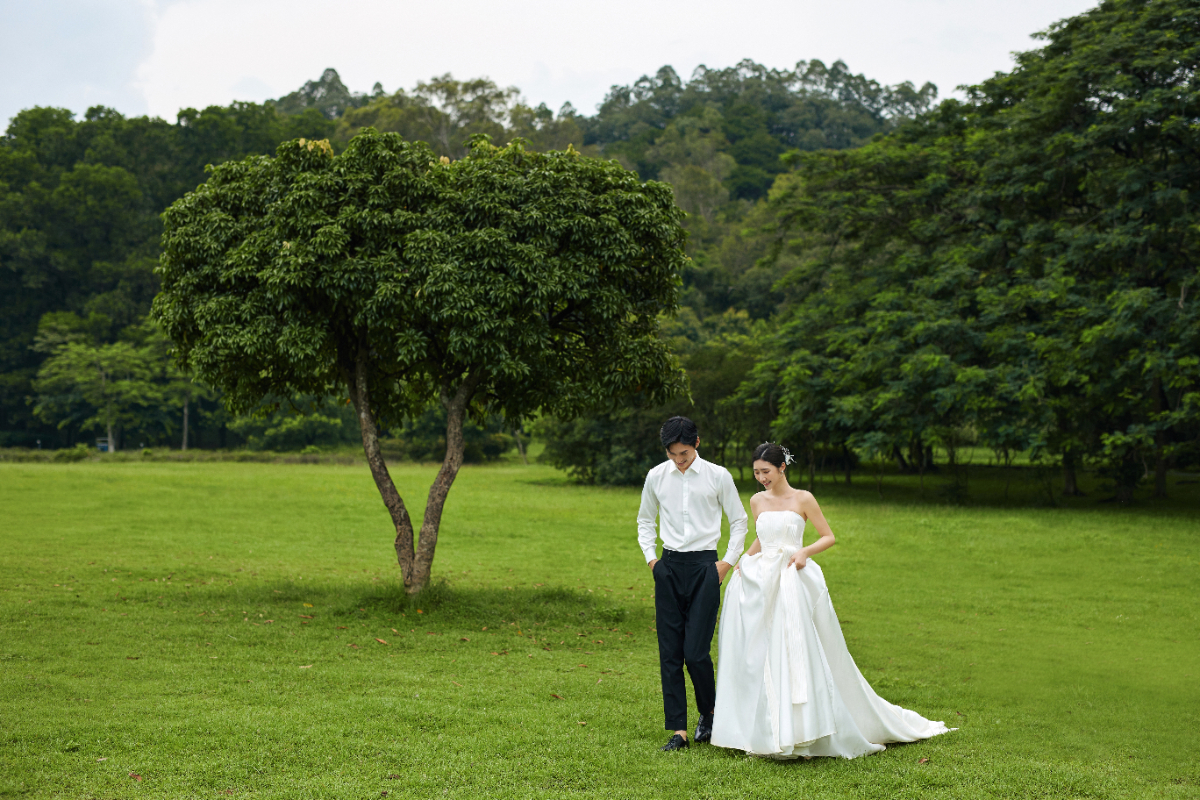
786, 684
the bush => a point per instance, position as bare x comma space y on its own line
73, 455
616, 448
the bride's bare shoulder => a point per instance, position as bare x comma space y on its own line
803, 499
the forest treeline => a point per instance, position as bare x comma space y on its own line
80, 202
872, 273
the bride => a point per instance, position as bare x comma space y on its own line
786, 684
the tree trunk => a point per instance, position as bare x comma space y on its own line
1160, 442
456, 413
1070, 479
921, 464
846, 462
183, 445
1160, 466
812, 464
109, 430
361, 399
520, 446
952, 457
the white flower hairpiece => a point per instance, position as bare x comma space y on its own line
788, 458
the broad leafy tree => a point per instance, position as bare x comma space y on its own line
1019, 267
1093, 160
105, 388
505, 282
80, 201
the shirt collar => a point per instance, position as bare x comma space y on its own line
695, 467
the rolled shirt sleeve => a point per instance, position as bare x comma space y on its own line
739, 524
645, 522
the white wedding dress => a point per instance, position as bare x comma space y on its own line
786, 684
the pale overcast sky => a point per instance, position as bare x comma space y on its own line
157, 56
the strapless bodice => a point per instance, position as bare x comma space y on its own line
779, 529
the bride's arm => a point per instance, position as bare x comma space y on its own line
812, 512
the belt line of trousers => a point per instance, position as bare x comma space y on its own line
687, 596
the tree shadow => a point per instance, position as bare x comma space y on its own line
440, 602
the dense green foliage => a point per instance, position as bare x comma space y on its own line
79, 200
617, 446
536, 278
80, 230
1014, 270
870, 277
1060, 642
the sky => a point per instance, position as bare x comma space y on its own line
158, 56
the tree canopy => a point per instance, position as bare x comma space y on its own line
869, 275
1014, 269
80, 198
506, 282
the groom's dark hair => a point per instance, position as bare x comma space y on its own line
679, 429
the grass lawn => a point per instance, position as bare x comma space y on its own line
225, 629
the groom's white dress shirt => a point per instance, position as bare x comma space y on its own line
688, 506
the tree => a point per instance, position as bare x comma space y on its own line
614, 447
506, 282
109, 383
1016, 267
618, 445
1095, 153
80, 201
327, 95
442, 111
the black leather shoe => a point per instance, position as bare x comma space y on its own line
703, 730
677, 743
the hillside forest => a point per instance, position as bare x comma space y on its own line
874, 276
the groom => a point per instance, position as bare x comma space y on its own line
688, 494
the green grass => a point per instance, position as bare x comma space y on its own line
1062, 642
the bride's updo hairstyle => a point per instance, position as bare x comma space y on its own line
771, 453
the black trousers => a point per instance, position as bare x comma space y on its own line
687, 594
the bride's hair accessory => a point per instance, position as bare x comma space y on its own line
775, 454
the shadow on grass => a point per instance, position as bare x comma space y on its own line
439, 603
440, 600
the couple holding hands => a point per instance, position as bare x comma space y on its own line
787, 686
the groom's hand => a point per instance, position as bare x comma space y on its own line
723, 570
653, 561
